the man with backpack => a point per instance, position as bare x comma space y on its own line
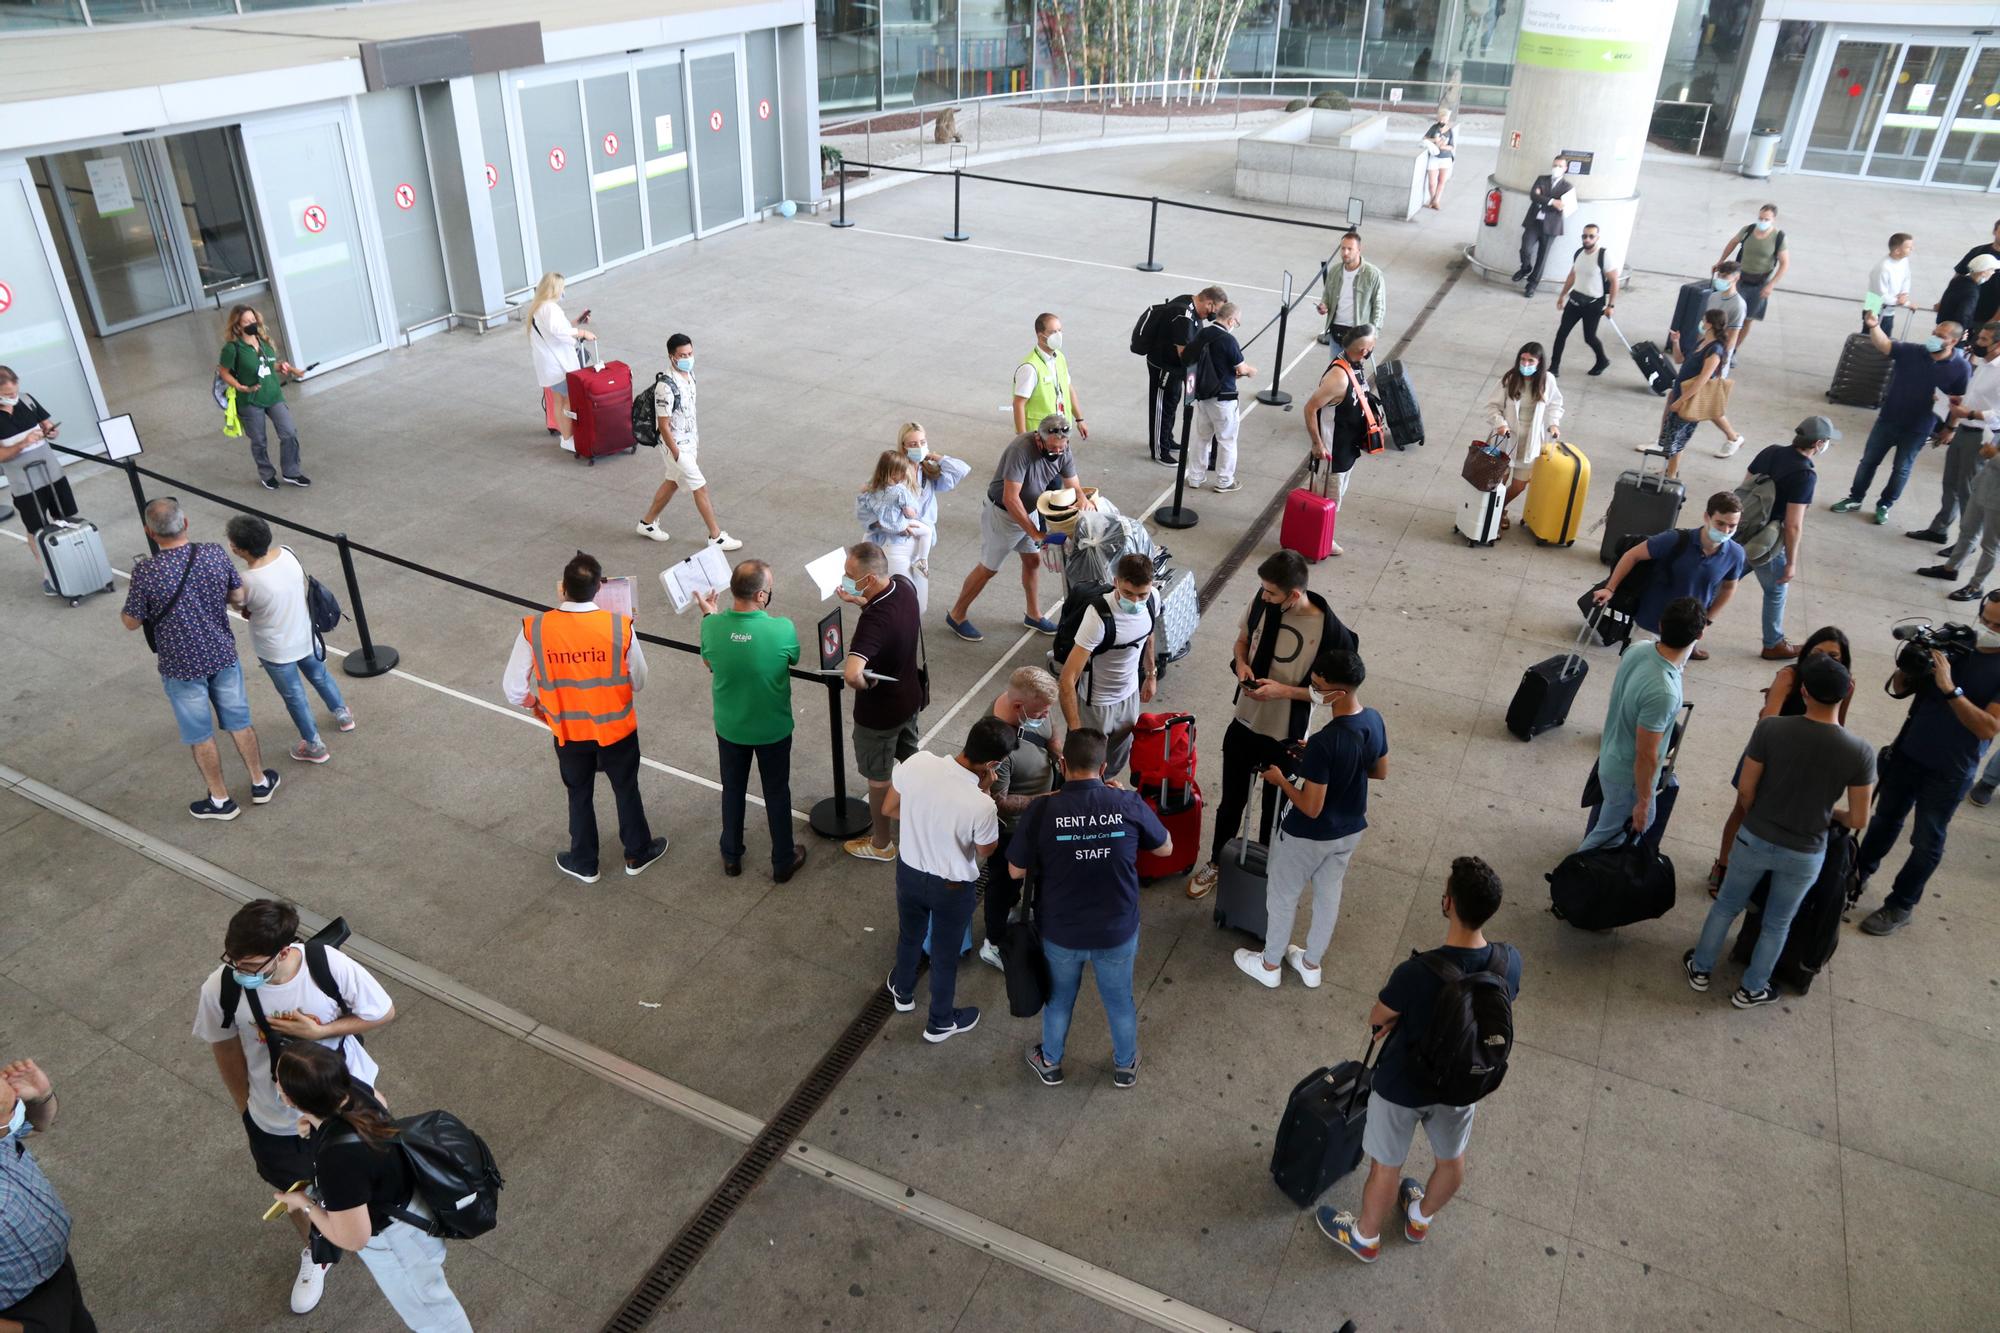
1162, 336
277, 601
1104, 652
1776, 493
1449, 1016
271, 990
1588, 294
673, 397
1761, 255
1702, 563
1217, 359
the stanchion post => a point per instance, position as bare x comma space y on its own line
957, 233
839, 815
139, 502
1180, 516
1152, 234
1274, 396
374, 659
841, 178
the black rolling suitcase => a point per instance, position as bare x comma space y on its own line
1666, 792
1861, 376
1399, 405
1548, 688
1641, 503
1689, 306
1815, 932
1319, 1139
1654, 366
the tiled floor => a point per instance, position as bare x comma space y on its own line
1656, 1159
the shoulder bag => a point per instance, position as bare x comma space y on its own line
1708, 402
150, 625
1027, 964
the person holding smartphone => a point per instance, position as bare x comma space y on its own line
251, 364
25, 431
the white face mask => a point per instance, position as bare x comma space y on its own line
1989, 638
1055, 341
9, 403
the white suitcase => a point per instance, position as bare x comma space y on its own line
1180, 615
72, 551
1479, 514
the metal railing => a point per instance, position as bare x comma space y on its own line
1685, 126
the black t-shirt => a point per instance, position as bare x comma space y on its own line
1989, 291
349, 1172
1220, 355
1961, 300
1412, 991
1177, 331
885, 637
1792, 471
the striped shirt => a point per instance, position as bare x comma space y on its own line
34, 1225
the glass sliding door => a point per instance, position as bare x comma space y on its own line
614, 175
1970, 154
38, 333
399, 180
208, 176
1925, 84
500, 182
119, 212
663, 125
1858, 77
767, 132
558, 177
718, 148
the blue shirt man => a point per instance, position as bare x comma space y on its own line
1702, 563
1081, 846
1919, 372
1645, 695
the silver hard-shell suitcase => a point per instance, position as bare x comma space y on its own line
72, 550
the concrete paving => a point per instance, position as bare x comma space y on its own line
1655, 1160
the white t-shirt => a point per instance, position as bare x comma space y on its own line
1890, 279
1588, 271
365, 999
275, 600
1343, 309
1113, 677
945, 817
680, 418
553, 343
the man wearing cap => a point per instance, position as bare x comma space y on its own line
1035, 461
1795, 771
1790, 467
1966, 292
1918, 373
1966, 439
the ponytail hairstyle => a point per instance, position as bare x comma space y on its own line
1713, 324
315, 1079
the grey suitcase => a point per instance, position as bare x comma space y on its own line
72, 551
1239, 891
1642, 503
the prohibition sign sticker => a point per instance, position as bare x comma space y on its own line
558, 159
406, 198
764, 109
492, 175
611, 145
715, 120
6, 297
314, 218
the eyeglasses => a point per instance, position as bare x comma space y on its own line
264, 971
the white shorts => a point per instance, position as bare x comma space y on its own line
686, 470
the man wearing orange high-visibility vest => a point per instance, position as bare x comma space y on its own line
577, 668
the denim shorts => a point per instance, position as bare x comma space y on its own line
192, 699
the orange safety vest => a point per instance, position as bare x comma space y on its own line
583, 681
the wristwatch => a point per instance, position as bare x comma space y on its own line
1958, 691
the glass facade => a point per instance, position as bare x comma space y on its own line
46, 14
1882, 106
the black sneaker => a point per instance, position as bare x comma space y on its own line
1599, 368
1969, 593
1696, 980
1050, 1075
262, 792
655, 849
1928, 535
572, 867
904, 1003
207, 808
1885, 920
301, 481
268, 483
962, 1020
1168, 460
1744, 999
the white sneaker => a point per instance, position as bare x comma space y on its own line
989, 954
725, 542
1194, 479
1250, 962
1729, 447
1297, 958
653, 530
310, 1286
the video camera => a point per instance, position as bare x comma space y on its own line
1920, 639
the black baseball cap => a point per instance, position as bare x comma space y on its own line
1825, 677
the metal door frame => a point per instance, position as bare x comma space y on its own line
732, 47
14, 170
1898, 42
232, 138
1970, 47
162, 205
660, 58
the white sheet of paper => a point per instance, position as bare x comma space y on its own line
707, 570
121, 439
110, 187
826, 571
617, 595
1941, 405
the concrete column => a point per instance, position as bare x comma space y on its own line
1762, 45
1585, 75
464, 203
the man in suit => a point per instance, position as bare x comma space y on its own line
1549, 198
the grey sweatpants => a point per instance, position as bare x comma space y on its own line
1294, 861
1981, 523
1115, 721
1961, 464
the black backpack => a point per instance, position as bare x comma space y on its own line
1462, 1055
332, 937
455, 1175
1082, 598
1207, 384
645, 410
322, 612
1152, 324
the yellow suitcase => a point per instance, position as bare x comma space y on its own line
1557, 488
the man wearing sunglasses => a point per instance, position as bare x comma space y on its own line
1035, 461
281, 991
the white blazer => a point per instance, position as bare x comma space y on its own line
1525, 442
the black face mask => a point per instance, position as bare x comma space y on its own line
252, 330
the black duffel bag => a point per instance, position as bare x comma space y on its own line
1612, 886
1025, 964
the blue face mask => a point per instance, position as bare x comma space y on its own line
250, 980
1128, 606
849, 586
1718, 536
684, 364
1529, 367
917, 452
1720, 283
1933, 344
18, 1119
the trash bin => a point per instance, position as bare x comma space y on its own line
1760, 155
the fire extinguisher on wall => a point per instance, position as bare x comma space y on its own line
1493, 207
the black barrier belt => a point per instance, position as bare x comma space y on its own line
386, 557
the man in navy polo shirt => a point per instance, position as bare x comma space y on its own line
1082, 845
1702, 563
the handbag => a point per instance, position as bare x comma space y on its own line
1487, 465
1708, 402
151, 623
1026, 962
323, 611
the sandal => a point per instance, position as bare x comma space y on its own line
1505, 523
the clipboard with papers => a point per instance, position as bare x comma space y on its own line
706, 571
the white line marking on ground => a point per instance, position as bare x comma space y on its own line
1054, 259
986, 677
970, 1229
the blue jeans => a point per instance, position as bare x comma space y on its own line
1901, 786
290, 679
1775, 592
1612, 816
774, 768
1113, 969
1792, 875
192, 699
920, 897
1885, 435
1991, 777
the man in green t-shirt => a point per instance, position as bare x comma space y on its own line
250, 364
1645, 697
750, 654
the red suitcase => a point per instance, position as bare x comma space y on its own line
601, 398
1163, 749
1310, 512
1180, 811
